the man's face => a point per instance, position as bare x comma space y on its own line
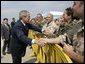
27, 18
49, 18
33, 21
39, 17
77, 9
13, 20
65, 16
57, 22
5, 21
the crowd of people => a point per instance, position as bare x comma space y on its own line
6, 34
67, 31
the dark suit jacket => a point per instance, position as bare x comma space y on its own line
20, 40
5, 32
12, 24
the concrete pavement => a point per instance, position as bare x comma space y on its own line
8, 59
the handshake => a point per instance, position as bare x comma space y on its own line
41, 41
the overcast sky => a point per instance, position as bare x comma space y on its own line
11, 9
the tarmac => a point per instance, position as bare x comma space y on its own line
8, 59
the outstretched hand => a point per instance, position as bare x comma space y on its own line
40, 42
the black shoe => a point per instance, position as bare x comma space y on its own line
4, 53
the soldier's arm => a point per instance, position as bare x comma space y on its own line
52, 40
76, 57
61, 39
68, 49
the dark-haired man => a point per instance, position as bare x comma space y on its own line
13, 22
5, 32
40, 20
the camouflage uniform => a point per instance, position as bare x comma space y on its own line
60, 31
42, 23
79, 45
50, 27
69, 32
74, 30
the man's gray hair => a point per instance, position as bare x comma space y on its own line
22, 13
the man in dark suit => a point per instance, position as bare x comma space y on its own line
5, 32
20, 40
13, 22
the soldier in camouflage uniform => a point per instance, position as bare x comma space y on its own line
43, 22
50, 25
78, 56
79, 43
40, 20
66, 34
61, 24
66, 25
33, 21
69, 29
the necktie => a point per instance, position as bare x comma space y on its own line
25, 26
